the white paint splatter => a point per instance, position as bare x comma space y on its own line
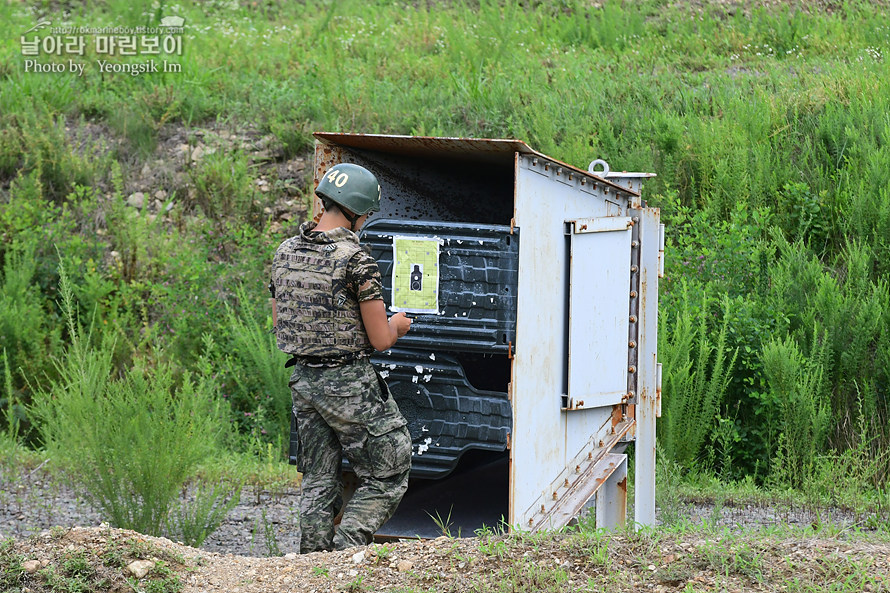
392, 366
424, 428
426, 378
433, 356
424, 446
414, 379
384, 374
419, 369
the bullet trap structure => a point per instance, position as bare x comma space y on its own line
531, 362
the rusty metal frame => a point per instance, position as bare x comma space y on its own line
648, 400
467, 149
567, 495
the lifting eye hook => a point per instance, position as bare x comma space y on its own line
599, 162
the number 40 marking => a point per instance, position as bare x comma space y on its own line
338, 180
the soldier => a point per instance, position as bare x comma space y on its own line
329, 315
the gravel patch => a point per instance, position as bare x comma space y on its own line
263, 523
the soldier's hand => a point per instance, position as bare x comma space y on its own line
401, 322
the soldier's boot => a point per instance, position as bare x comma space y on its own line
373, 503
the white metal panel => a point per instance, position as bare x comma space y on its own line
598, 317
541, 446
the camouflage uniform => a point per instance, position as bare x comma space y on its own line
343, 408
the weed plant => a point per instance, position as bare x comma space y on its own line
128, 442
193, 521
697, 377
12, 416
257, 368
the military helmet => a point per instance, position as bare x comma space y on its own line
351, 186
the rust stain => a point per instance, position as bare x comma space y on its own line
317, 209
617, 415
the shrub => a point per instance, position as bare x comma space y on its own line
223, 187
797, 386
192, 522
128, 442
259, 374
10, 414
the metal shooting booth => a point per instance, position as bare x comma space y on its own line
539, 367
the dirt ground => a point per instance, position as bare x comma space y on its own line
663, 561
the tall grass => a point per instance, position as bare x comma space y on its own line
22, 323
260, 372
10, 428
797, 384
696, 377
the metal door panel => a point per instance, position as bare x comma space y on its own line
598, 316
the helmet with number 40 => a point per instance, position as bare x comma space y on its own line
351, 186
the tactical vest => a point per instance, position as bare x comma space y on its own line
317, 314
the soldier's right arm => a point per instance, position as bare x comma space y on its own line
383, 332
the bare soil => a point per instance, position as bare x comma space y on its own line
561, 562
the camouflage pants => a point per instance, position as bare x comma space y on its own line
342, 411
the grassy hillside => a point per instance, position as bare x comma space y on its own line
163, 196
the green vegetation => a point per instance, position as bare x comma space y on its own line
767, 127
196, 520
152, 434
